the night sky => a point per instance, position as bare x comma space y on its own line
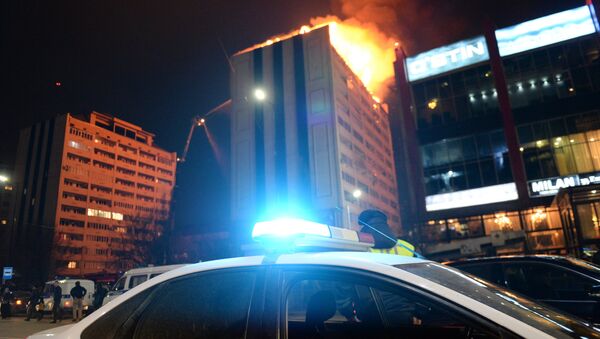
159, 63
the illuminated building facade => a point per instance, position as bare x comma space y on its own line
92, 193
494, 126
314, 142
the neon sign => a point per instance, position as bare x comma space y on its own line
551, 186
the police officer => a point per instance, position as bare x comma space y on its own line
57, 299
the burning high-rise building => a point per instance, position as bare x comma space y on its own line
308, 138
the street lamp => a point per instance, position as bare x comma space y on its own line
3, 178
260, 94
357, 193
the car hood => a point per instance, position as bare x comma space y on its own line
53, 332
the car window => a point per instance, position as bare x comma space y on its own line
109, 324
487, 271
343, 308
120, 284
210, 305
546, 281
205, 305
136, 280
154, 275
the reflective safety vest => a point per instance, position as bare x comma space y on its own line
398, 249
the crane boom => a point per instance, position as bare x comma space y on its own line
199, 121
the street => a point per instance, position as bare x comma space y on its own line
17, 327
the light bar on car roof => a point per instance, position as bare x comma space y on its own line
290, 234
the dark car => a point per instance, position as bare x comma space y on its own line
568, 284
19, 301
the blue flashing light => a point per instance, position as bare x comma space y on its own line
289, 228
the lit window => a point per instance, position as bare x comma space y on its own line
72, 264
4, 221
117, 216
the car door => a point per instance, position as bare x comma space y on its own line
554, 285
325, 302
223, 303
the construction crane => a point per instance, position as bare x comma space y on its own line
198, 121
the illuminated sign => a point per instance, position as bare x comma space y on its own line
447, 58
545, 31
550, 186
472, 197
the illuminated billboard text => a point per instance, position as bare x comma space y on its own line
551, 186
447, 58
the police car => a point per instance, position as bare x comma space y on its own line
302, 289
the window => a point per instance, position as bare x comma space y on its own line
136, 280
337, 305
546, 281
488, 271
207, 305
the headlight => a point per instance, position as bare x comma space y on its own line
67, 303
85, 307
19, 302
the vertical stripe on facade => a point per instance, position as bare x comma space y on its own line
281, 179
259, 137
49, 142
36, 175
26, 189
301, 118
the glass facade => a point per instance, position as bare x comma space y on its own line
464, 163
561, 146
542, 227
553, 73
453, 98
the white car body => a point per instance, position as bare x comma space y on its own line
67, 301
381, 264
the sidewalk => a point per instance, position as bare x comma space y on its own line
17, 327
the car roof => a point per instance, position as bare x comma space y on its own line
152, 269
535, 257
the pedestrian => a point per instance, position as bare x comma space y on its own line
56, 302
36, 301
78, 292
5, 299
99, 295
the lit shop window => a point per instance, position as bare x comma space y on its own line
72, 264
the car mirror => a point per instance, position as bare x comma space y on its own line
594, 291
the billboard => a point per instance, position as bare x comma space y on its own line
472, 197
447, 58
545, 31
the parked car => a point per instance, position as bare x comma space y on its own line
67, 302
568, 284
19, 301
347, 294
134, 277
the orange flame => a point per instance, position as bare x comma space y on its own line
365, 49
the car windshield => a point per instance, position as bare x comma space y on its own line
516, 306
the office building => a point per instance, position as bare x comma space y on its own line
307, 137
492, 128
92, 193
